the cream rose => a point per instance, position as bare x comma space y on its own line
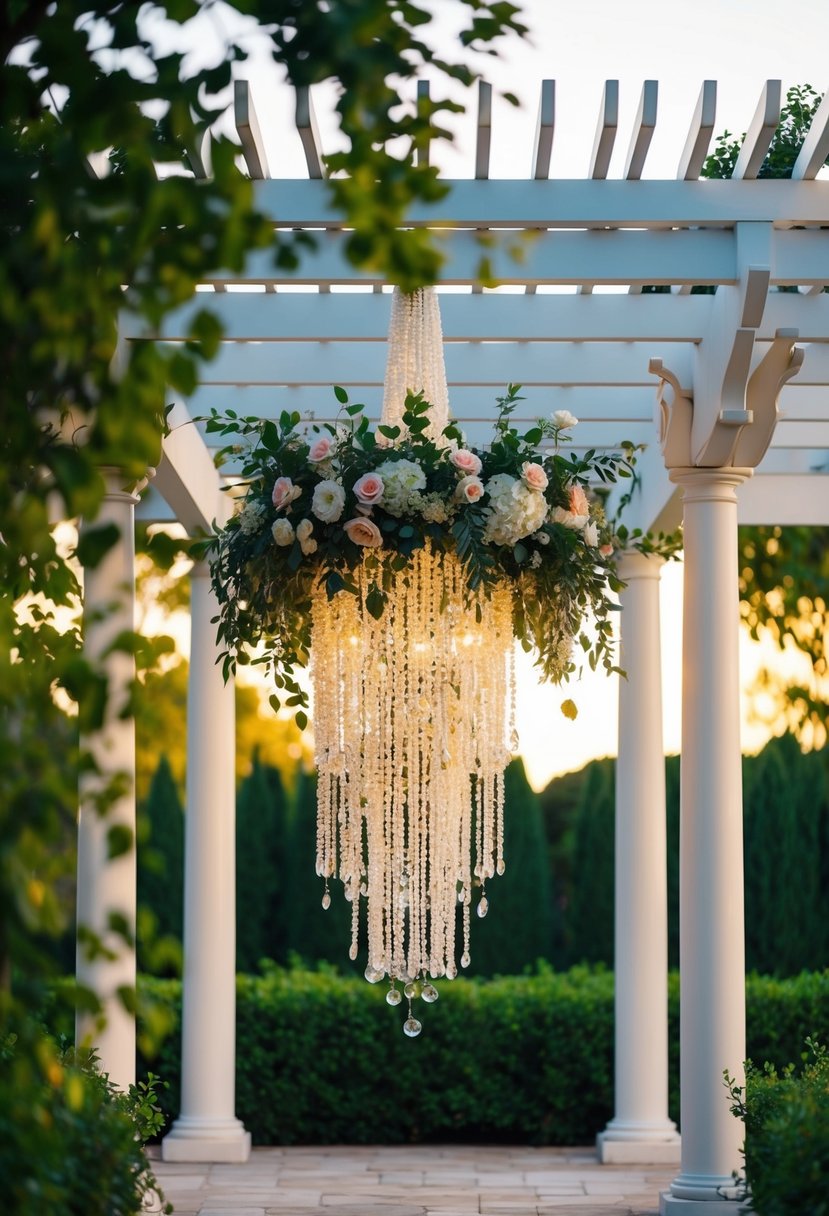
368, 489
328, 501
303, 534
470, 489
283, 532
320, 449
578, 501
284, 492
563, 420
362, 531
591, 534
466, 461
534, 476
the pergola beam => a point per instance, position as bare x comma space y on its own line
571, 203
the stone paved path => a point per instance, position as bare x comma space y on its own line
414, 1181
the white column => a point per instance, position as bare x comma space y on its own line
207, 1128
640, 1130
107, 887
712, 956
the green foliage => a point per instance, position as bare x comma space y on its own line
784, 575
262, 867
795, 119
161, 874
591, 917
70, 1143
524, 1059
786, 1116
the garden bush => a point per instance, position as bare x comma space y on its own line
321, 1058
70, 1143
786, 1116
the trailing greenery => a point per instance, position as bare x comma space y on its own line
70, 1143
522, 1059
786, 1116
321, 502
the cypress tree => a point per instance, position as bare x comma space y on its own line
260, 868
591, 911
518, 929
781, 862
160, 861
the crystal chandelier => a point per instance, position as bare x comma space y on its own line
414, 721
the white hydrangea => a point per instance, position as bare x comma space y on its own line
514, 510
252, 516
402, 481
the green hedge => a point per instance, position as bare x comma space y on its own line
321, 1058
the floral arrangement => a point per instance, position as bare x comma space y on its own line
320, 501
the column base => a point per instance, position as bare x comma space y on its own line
626, 1143
638, 1152
194, 1139
669, 1205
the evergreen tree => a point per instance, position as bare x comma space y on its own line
261, 864
160, 868
559, 810
591, 912
672, 765
518, 929
781, 862
313, 933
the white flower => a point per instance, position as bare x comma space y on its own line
328, 501
303, 534
252, 516
535, 560
563, 420
514, 510
401, 481
283, 532
431, 507
541, 538
591, 534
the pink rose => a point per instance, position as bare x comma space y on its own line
320, 449
606, 550
534, 476
466, 461
368, 489
578, 501
284, 492
362, 531
470, 488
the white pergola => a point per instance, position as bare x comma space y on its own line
727, 390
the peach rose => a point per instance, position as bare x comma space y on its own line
320, 449
534, 476
362, 531
578, 501
606, 550
368, 489
466, 461
284, 492
470, 489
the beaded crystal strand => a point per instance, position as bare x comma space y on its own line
412, 714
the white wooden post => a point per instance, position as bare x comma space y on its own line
712, 955
107, 887
640, 1130
207, 1128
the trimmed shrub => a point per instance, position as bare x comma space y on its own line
787, 1135
321, 1058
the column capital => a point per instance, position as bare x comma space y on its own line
631, 563
119, 487
716, 484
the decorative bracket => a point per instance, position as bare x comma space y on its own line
781, 362
673, 415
